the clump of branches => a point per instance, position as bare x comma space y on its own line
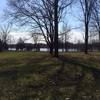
40, 13
5, 36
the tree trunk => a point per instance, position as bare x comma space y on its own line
56, 28
51, 49
86, 38
66, 44
99, 41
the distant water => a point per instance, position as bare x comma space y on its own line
12, 49
46, 49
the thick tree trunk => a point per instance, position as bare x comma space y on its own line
51, 50
51, 45
99, 36
86, 38
56, 28
99, 41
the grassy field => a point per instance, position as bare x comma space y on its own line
39, 76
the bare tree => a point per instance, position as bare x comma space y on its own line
5, 36
42, 14
95, 22
20, 44
36, 38
65, 35
87, 8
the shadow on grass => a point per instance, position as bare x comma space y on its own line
87, 85
40, 80
31, 66
84, 65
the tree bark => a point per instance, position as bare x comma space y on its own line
99, 41
51, 50
56, 28
86, 38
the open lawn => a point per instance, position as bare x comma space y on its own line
39, 76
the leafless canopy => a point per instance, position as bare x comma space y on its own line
5, 33
87, 9
38, 14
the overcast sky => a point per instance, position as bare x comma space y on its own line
76, 35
